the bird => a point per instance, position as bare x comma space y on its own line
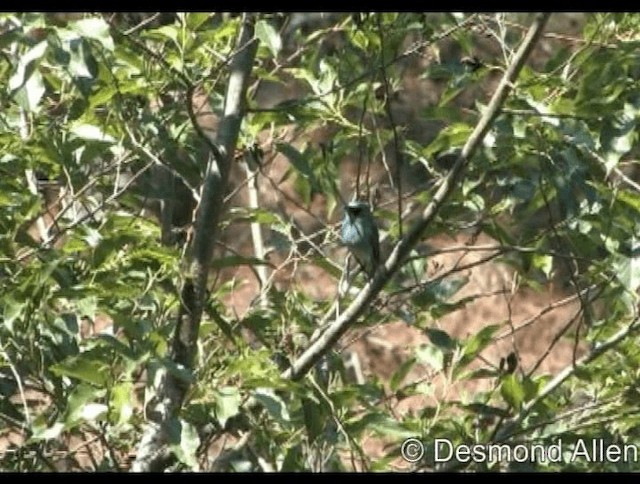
360, 235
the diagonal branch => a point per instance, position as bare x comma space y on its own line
319, 347
153, 452
512, 427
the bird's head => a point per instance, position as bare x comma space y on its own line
357, 208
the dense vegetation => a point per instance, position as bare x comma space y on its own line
138, 171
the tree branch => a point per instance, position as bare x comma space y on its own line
319, 347
153, 452
566, 373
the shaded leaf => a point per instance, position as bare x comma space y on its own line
400, 374
298, 160
440, 338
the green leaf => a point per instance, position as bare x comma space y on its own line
228, 401
512, 391
120, 348
298, 160
268, 36
391, 428
195, 19
328, 266
314, 418
430, 355
82, 406
619, 134
81, 62
9, 36
91, 133
440, 338
303, 189
259, 215
630, 198
293, 460
93, 411
478, 374
165, 32
186, 451
47, 433
94, 28
29, 95
273, 403
476, 343
121, 403
628, 271
488, 410
102, 96
26, 66
400, 374
439, 291
361, 423
87, 307
359, 39
543, 262
11, 311
453, 136
82, 368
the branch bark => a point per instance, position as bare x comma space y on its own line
513, 425
336, 329
153, 452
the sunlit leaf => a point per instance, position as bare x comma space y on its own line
94, 28
512, 391
26, 66
83, 368
269, 36
228, 401
273, 404
91, 133
430, 355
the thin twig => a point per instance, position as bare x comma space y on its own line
89, 214
144, 22
23, 398
394, 129
315, 351
598, 350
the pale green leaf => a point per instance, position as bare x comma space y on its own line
268, 36
94, 28
227, 404
91, 133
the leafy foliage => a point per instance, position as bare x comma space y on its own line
98, 141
